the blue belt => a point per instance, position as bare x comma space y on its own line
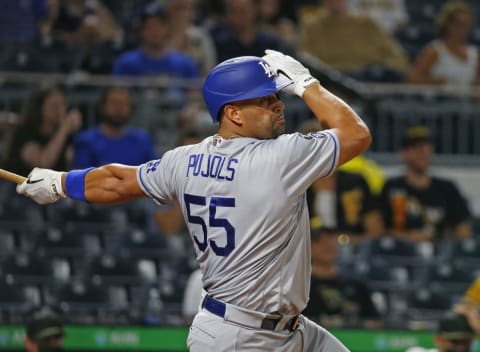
218, 308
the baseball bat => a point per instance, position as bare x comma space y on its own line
12, 177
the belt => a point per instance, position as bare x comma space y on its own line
219, 308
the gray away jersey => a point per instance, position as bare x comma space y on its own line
244, 202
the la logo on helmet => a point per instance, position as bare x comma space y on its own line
268, 70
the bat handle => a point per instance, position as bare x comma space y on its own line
12, 177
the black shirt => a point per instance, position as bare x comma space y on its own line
343, 296
437, 209
353, 201
23, 136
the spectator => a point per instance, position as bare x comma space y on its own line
113, 140
336, 299
154, 57
273, 18
343, 201
25, 36
85, 36
23, 21
370, 170
449, 59
418, 206
190, 39
239, 33
83, 22
454, 334
390, 15
43, 138
324, 36
44, 333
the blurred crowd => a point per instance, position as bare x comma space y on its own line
353, 210
429, 42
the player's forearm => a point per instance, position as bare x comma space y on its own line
334, 113
109, 184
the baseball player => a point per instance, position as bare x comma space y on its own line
242, 193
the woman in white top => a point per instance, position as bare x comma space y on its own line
449, 59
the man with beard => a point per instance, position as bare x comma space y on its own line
113, 141
418, 206
44, 333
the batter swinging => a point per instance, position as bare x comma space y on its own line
242, 192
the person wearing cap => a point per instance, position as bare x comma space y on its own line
337, 299
343, 201
454, 334
417, 205
44, 333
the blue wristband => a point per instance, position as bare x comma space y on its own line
75, 184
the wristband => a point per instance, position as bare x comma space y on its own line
75, 184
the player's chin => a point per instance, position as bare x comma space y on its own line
278, 130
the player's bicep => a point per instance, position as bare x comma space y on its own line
305, 158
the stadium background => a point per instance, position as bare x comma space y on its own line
142, 310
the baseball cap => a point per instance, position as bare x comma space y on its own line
455, 326
44, 325
416, 134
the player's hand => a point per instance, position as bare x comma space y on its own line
286, 65
44, 186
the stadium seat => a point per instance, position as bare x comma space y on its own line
17, 299
68, 242
461, 251
20, 213
80, 302
138, 242
80, 216
7, 242
446, 276
392, 250
115, 269
381, 275
426, 304
160, 303
27, 268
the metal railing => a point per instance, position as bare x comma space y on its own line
452, 112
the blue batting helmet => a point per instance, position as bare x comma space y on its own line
240, 78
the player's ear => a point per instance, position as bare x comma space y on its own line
233, 113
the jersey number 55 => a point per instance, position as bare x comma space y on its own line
213, 221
